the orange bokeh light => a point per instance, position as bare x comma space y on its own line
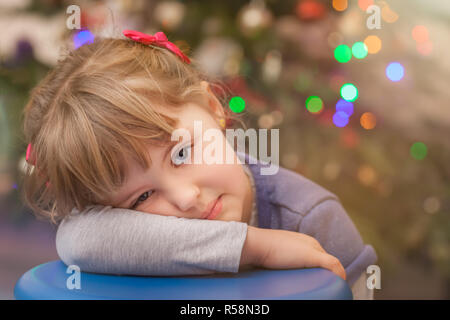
420, 33
364, 4
368, 120
340, 5
425, 48
373, 44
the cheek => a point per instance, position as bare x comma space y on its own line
157, 206
228, 178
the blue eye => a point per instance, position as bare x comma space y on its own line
142, 199
182, 156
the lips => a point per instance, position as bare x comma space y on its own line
213, 208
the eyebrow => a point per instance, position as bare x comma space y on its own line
132, 195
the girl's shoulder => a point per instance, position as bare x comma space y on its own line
287, 188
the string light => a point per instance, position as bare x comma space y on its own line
373, 44
425, 48
349, 92
368, 120
340, 119
420, 33
340, 5
359, 50
364, 4
345, 106
367, 175
395, 71
423, 43
349, 138
342, 53
418, 150
388, 15
314, 104
237, 104
431, 205
82, 37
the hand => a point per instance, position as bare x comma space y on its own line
281, 249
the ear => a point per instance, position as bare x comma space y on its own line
212, 102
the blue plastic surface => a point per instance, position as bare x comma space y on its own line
48, 281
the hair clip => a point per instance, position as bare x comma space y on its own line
29, 157
159, 39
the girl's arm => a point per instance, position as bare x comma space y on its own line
122, 241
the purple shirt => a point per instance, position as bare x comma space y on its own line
289, 201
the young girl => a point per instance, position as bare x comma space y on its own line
128, 201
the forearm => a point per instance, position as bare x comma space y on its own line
122, 241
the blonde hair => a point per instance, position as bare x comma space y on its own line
97, 107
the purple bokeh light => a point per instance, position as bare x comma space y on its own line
344, 106
340, 119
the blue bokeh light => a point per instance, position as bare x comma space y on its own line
395, 71
82, 37
340, 119
345, 106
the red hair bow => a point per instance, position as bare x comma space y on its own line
159, 39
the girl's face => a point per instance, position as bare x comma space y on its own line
173, 188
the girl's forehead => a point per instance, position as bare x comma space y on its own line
187, 111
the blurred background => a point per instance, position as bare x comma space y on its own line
361, 99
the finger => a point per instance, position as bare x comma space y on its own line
313, 242
334, 265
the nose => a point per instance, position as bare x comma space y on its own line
183, 195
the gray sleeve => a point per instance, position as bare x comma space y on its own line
122, 241
360, 289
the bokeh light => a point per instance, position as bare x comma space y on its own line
420, 33
349, 138
237, 104
368, 120
359, 50
418, 150
331, 170
395, 71
373, 44
343, 53
340, 5
367, 175
310, 10
388, 15
314, 104
265, 121
344, 106
340, 119
364, 4
431, 205
82, 37
349, 92
424, 48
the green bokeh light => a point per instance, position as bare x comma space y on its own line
342, 53
237, 104
314, 104
349, 92
418, 150
359, 50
